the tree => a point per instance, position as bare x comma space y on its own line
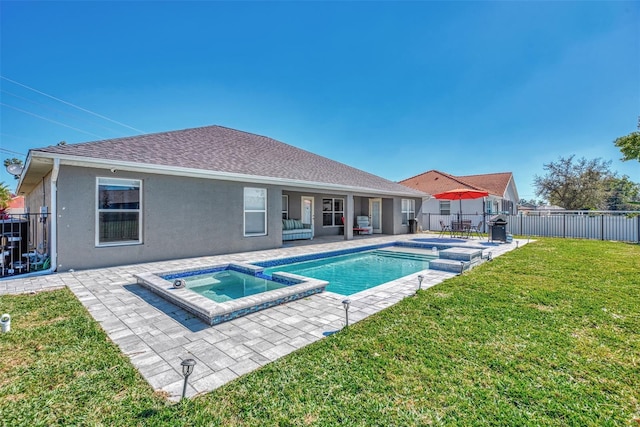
14, 161
629, 145
622, 194
575, 185
532, 202
5, 197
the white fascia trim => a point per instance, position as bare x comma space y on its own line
26, 167
201, 173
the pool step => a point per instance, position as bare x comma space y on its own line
449, 265
462, 254
403, 255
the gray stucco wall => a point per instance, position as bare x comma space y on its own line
182, 217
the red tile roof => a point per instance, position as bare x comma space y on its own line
434, 181
16, 202
220, 149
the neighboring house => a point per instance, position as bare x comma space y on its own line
195, 192
539, 210
503, 195
16, 205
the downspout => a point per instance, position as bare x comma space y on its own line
54, 215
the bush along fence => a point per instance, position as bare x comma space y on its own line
621, 226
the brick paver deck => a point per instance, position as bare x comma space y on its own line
157, 336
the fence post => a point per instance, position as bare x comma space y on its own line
564, 226
601, 227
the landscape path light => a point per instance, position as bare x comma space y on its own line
187, 369
420, 279
346, 303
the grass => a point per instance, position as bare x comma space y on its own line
545, 335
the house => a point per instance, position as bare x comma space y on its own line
502, 198
529, 209
196, 192
16, 205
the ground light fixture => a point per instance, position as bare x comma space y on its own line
346, 303
187, 369
420, 279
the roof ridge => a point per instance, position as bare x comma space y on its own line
458, 180
420, 174
486, 174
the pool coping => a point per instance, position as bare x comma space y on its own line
214, 313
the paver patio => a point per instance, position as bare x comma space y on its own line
157, 335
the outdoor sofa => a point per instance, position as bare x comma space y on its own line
293, 229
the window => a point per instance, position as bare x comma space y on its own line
408, 210
332, 212
445, 207
285, 207
255, 211
118, 211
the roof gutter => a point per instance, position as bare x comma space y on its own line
223, 176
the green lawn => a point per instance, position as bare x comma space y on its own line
545, 335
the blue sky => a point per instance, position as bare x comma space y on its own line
393, 88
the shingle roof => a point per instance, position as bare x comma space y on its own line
221, 149
494, 183
434, 181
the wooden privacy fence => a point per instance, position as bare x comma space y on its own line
622, 226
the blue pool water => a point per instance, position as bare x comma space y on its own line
352, 273
226, 285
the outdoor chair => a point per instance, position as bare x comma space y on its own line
476, 229
444, 228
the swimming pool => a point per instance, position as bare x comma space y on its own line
351, 273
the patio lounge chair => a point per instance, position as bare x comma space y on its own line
363, 226
444, 228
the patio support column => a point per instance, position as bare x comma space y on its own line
348, 217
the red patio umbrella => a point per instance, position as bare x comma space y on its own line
461, 193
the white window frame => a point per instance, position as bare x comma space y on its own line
124, 183
285, 206
333, 212
445, 207
409, 208
246, 211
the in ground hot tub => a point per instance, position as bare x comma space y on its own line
225, 292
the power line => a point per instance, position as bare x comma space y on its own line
4, 150
70, 104
59, 111
49, 120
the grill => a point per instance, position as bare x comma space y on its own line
498, 228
